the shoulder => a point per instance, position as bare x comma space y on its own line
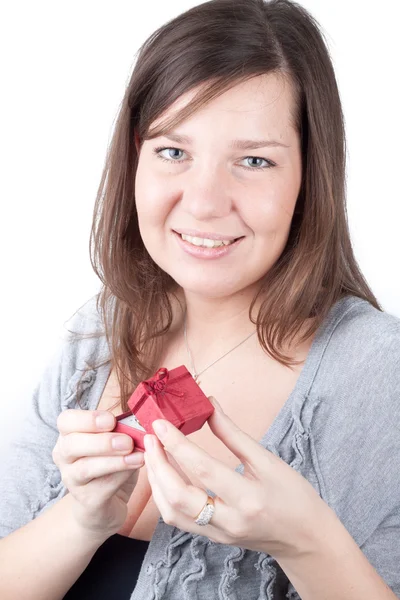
356, 389
365, 328
355, 431
361, 352
81, 349
86, 320
84, 336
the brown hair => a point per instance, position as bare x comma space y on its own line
218, 44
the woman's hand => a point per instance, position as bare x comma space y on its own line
95, 472
270, 508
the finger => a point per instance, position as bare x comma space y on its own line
248, 450
87, 469
99, 490
76, 445
169, 484
178, 503
89, 421
212, 474
178, 469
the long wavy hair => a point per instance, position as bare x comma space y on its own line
219, 44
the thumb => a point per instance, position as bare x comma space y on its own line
215, 403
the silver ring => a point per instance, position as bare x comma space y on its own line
206, 513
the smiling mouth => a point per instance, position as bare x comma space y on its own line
206, 242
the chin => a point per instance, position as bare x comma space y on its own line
208, 286
207, 280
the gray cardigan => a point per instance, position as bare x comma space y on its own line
339, 428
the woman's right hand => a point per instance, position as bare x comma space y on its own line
96, 473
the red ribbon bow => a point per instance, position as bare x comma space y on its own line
159, 388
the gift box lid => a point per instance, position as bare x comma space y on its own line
173, 395
174, 389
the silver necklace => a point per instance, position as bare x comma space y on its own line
193, 368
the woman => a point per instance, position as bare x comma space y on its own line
221, 240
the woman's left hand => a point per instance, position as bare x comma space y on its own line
270, 508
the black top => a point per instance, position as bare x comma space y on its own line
112, 572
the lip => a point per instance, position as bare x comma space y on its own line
206, 253
206, 234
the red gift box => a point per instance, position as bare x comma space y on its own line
172, 395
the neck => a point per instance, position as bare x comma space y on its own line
215, 324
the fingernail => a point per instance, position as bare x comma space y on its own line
148, 443
121, 442
215, 403
160, 429
104, 420
134, 459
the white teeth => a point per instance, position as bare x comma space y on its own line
196, 241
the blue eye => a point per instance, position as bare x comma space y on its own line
157, 151
257, 158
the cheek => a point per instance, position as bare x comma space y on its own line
272, 212
152, 200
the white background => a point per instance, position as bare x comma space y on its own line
63, 74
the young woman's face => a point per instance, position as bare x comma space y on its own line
215, 205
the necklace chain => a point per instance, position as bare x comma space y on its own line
193, 368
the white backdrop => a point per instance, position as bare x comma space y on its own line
64, 70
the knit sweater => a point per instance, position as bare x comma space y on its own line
339, 428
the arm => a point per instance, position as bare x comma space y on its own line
30, 481
336, 569
42, 551
355, 444
43, 559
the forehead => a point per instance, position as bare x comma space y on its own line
267, 98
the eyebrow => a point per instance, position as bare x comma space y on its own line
234, 144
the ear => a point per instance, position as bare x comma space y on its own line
137, 142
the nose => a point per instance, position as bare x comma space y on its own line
207, 195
